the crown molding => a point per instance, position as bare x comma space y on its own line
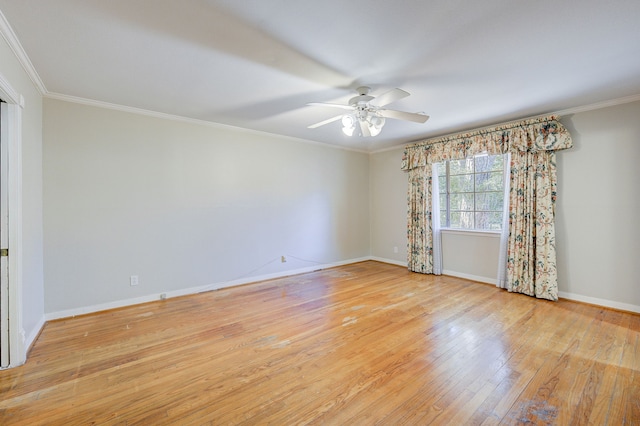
134, 110
391, 148
598, 105
173, 117
14, 44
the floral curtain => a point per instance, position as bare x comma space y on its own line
531, 248
531, 260
420, 245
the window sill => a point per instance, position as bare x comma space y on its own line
474, 232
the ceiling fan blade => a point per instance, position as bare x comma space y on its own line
402, 115
349, 107
389, 97
364, 128
322, 123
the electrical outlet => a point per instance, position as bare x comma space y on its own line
395, 249
283, 259
163, 296
133, 280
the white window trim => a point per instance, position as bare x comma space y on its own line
476, 232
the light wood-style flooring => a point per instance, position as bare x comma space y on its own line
363, 344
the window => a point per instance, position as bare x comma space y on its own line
472, 192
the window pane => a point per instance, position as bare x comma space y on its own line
475, 187
489, 220
462, 201
489, 181
461, 183
462, 220
457, 167
489, 201
443, 201
489, 163
442, 184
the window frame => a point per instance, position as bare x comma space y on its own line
447, 208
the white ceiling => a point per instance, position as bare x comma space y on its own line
257, 63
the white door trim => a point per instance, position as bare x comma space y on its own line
13, 127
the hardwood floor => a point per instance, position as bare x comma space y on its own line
367, 343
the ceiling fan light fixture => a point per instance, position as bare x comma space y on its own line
348, 120
375, 131
348, 124
375, 123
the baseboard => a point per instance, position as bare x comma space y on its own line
193, 290
288, 273
33, 335
486, 280
29, 340
564, 295
69, 313
25, 344
478, 278
391, 261
600, 302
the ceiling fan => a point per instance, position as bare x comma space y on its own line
368, 113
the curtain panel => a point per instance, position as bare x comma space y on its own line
531, 259
420, 237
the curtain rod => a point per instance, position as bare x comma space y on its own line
484, 130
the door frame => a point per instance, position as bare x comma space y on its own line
13, 132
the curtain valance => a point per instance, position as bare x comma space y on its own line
533, 135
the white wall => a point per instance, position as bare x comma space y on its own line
597, 232
32, 307
388, 206
186, 205
472, 255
